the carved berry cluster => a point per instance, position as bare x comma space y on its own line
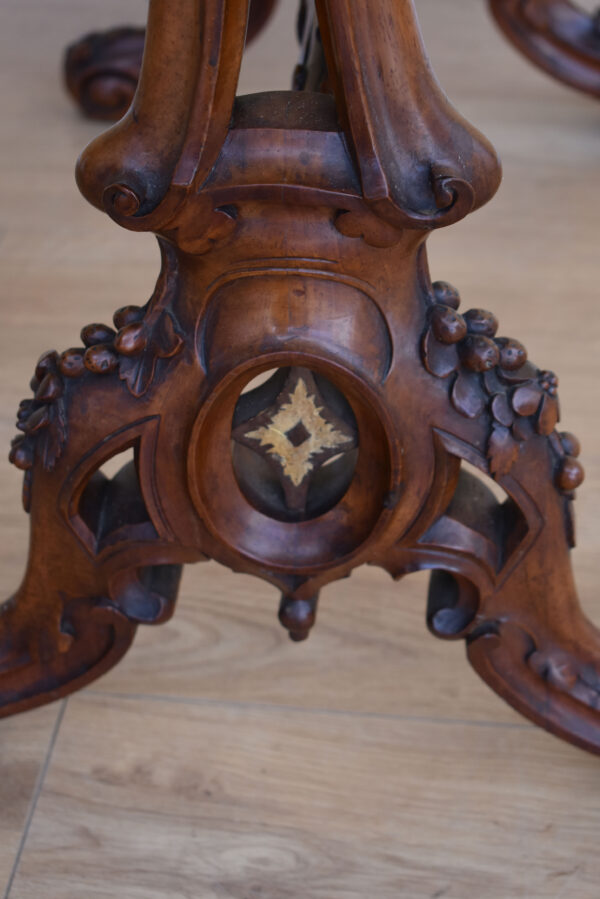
570, 473
134, 348
42, 420
142, 335
140, 339
493, 374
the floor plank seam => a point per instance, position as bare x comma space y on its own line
36, 795
275, 707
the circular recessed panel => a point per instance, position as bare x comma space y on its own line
294, 444
290, 466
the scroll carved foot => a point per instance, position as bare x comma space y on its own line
102, 69
556, 35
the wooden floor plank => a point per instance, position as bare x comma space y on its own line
25, 744
153, 799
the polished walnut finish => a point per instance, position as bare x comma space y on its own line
297, 396
556, 35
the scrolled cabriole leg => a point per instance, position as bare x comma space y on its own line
501, 573
104, 556
298, 398
557, 36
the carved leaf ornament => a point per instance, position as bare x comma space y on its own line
492, 374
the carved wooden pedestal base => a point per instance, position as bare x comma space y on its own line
297, 397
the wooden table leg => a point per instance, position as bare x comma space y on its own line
556, 35
298, 396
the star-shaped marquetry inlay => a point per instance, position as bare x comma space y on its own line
298, 433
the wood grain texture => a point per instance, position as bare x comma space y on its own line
292, 803
531, 256
25, 748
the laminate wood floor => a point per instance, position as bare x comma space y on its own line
218, 759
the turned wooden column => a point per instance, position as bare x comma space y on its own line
298, 397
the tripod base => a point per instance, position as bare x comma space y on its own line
106, 554
297, 398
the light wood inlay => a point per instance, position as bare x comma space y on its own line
318, 435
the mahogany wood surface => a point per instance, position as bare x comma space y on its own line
292, 228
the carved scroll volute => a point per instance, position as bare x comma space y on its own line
421, 164
138, 170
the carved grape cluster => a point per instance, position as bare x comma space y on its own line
493, 374
100, 353
468, 342
570, 473
42, 421
132, 347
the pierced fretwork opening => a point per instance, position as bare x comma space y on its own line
481, 520
294, 444
112, 505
